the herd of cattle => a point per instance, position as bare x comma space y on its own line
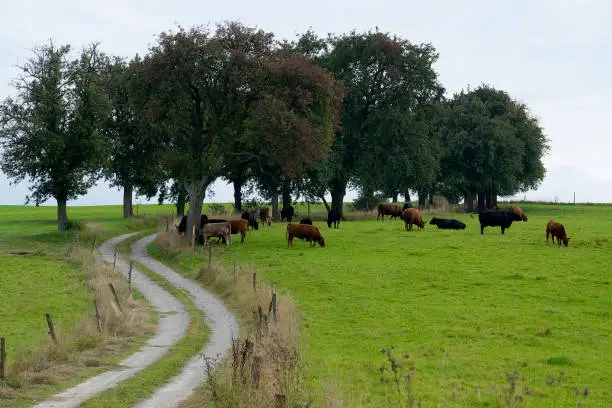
223, 229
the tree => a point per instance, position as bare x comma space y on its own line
384, 76
491, 146
229, 95
134, 146
50, 132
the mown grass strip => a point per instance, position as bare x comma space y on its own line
145, 382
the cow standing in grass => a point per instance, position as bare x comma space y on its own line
501, 219
239, 226
249, 216
264, 216
222, 230
333, 217
183, 224
287, 213
389, 209
557, 230
304, 232
412, 216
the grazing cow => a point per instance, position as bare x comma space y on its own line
333, 217
304, 232
518, 211
217, 229
557, 230
501, 219
264, 216
250, 218
389, 209
287, 213
412, 216
182, 227
306, 221
407, 204
444, 223
239, 226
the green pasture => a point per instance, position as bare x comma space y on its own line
465, 310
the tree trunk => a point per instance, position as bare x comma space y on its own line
275, 212
197, 192
422, 199
395, 197
325, 203
286, 193
180, 202
481, 201
338, 191
494, 200
238, 194
407, 196
128, 210
489, 201
62, 217
468, 202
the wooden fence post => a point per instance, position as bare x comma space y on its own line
114, 259
280, 401
50, 325
256, 370
98, 319
112, 288
93, 244
273, 304
235, 270
130, 277
167, 224
209, 256
193, 238
255, 281
2, 357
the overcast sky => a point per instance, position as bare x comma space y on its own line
554, 55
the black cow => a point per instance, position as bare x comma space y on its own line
287, 213
407, 204
306, 221
333, 217
501, 219
250, 217
444, 223
182, 227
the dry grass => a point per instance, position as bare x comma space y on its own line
266, 360
83, 347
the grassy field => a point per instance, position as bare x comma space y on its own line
42, 279
464, 310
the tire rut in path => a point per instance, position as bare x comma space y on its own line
173, 322
218, 318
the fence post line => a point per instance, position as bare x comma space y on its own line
2, 357
51, 329
98, 319
112, 288
114, 259
255, 281
130, 277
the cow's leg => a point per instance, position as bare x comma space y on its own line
482, 229
503, 229
547, 234
243, 233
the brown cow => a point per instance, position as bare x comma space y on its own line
239, 226
518, 211
264, 216
412, 216
219, 229
389, 209
557, 230
305, 232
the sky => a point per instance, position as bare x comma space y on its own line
553, 55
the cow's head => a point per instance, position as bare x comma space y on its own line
255, 224
566, 241
321, 241
421, 224
525, 217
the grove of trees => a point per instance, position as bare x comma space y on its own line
309, 117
